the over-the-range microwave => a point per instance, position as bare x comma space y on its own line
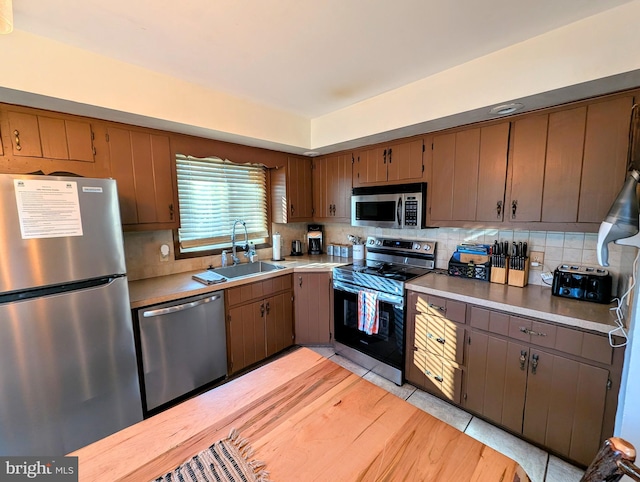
400, 206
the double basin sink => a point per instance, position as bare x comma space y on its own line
246, 269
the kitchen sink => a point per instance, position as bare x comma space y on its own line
246, 269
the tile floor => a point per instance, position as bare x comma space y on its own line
539, 465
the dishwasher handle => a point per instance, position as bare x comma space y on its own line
185, 306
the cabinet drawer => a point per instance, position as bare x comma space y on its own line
438, 376
258, 289
440, 336
488, 320
586, 345
449, 309
534, 332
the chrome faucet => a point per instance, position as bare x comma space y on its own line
234, 258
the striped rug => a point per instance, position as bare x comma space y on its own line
228, 460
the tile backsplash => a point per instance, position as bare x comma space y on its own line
144, 259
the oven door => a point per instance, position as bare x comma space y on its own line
387, 345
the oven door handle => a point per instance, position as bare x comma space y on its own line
397, 301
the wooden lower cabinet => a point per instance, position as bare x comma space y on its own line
313, 313
549, 383
553, 385
259, 321
278, 322
552, 400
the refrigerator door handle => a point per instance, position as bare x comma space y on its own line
173, 309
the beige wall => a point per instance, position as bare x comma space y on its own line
597, 47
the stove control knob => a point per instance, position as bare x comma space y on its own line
416, 246
378, 243
372, 241
427, 247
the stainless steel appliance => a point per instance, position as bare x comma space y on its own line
582, 283
69, 374
395, 206
183, 347
296, 248
389, 264
314, 238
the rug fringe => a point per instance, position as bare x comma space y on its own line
247, 452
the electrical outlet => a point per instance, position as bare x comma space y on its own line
536, 259
547, 277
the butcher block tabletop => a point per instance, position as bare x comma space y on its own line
308, 419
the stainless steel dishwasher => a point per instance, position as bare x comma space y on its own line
182, 347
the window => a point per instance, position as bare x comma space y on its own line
212, 194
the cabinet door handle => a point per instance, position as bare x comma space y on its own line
16, 134
384, 157
268, 307
262, 310
514, 208
523, 359
527, 331
171, 211
439, 378
442, 341
300, 281
293, 209
534, 364
390, 152
439, 308
499, 209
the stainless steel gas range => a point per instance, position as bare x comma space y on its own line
369, 303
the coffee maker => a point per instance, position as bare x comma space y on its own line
314, 238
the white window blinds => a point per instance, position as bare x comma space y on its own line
212, 194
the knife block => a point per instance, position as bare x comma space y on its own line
500, 275
519, 277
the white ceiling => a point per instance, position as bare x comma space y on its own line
305, 57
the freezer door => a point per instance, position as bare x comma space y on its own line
69, 374
41, 254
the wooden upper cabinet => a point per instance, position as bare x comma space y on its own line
291, 191
299, 188
141, 165
468, 174
405, 161
568, 166
25, 134
492, 168
528, 161
50, 137
604, 166
442, 185
393, 163
332, 179
565, 148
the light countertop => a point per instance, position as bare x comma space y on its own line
172, 287
532, 300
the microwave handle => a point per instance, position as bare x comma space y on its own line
399, 212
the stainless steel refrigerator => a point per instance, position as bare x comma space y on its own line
68, 373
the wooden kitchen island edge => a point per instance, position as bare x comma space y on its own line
308, 419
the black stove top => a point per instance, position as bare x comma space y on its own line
393, 271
